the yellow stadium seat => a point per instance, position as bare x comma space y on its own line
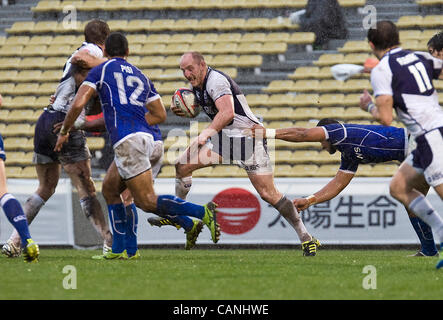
170, 86
46, 6
51, 75
175, 48
162, 4
355, 46
48, 88
11, 50
186, 4
249, 47
260, 113
304, 170
279, 124
95, 143
136, 38
384, 170
45, 27
167, 172
58, 50
280, 23
304, 73
356, 85
306, 85
431, 21
8, 75
118, 25
22, 115
304, 113
356, 58
409, 21
229, 37
116, 5
13, 171
225, 171
283, 170
208, 24
158, 38
279, 113
253, 37
162, 25
281, 157
410, 35
151, 61
41, 102
353, 113
330, 86
181, 38
54, 62
171, 62
224, 48
203, 48
325, 157
331, 112
29, 75
279, 86
232, 24
230, 4
22, 102
351, 100
93, 5
364, 170
137, 25
19, 158
301, 38
7, 88
280, 100
21, 27
273, 48
205, 37
185, 24
305, 156
136, 5
28, 173
329, 59
304, 100
203, 172
256, 24
17, 40
327, 100
249, 61
222, 60
326, 170
255, 100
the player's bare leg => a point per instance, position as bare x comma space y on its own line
403, 189
80, 174
192, 159
264, 184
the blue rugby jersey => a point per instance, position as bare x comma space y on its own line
124, 91
366, 143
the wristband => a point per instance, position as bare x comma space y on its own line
63, 131
270, 133
370, 106
311, 199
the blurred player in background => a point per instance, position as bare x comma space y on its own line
74, 157
435, 45
14, 212
376, 144
222, 100
403, 81
131, 106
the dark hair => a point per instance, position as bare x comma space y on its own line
326, 121
384, 36
116, 45
436, 42
96, 31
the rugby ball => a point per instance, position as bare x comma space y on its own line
184, 103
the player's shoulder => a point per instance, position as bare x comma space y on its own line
92, 48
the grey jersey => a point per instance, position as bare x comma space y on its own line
65, 91
216, 85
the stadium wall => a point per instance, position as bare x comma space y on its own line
363, 214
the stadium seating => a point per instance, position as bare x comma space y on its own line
33, 53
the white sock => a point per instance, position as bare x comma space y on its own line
422, 208
182, 187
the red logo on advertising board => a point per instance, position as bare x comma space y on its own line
238, 210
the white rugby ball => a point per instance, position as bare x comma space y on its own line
185, 102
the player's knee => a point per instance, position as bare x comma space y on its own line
396, 189
267, 196
148, 203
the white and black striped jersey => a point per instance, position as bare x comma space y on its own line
407, 77
216, 85
65, 91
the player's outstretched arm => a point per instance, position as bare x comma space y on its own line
316, 134
157, 112
328, 192
83, 95
86, 60
381, 110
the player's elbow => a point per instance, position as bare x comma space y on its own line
386, 120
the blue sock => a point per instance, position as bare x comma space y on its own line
117, 218
424, 233
14, 212
174, 206
131, 229
184, 221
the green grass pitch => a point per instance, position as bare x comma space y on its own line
215, 274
